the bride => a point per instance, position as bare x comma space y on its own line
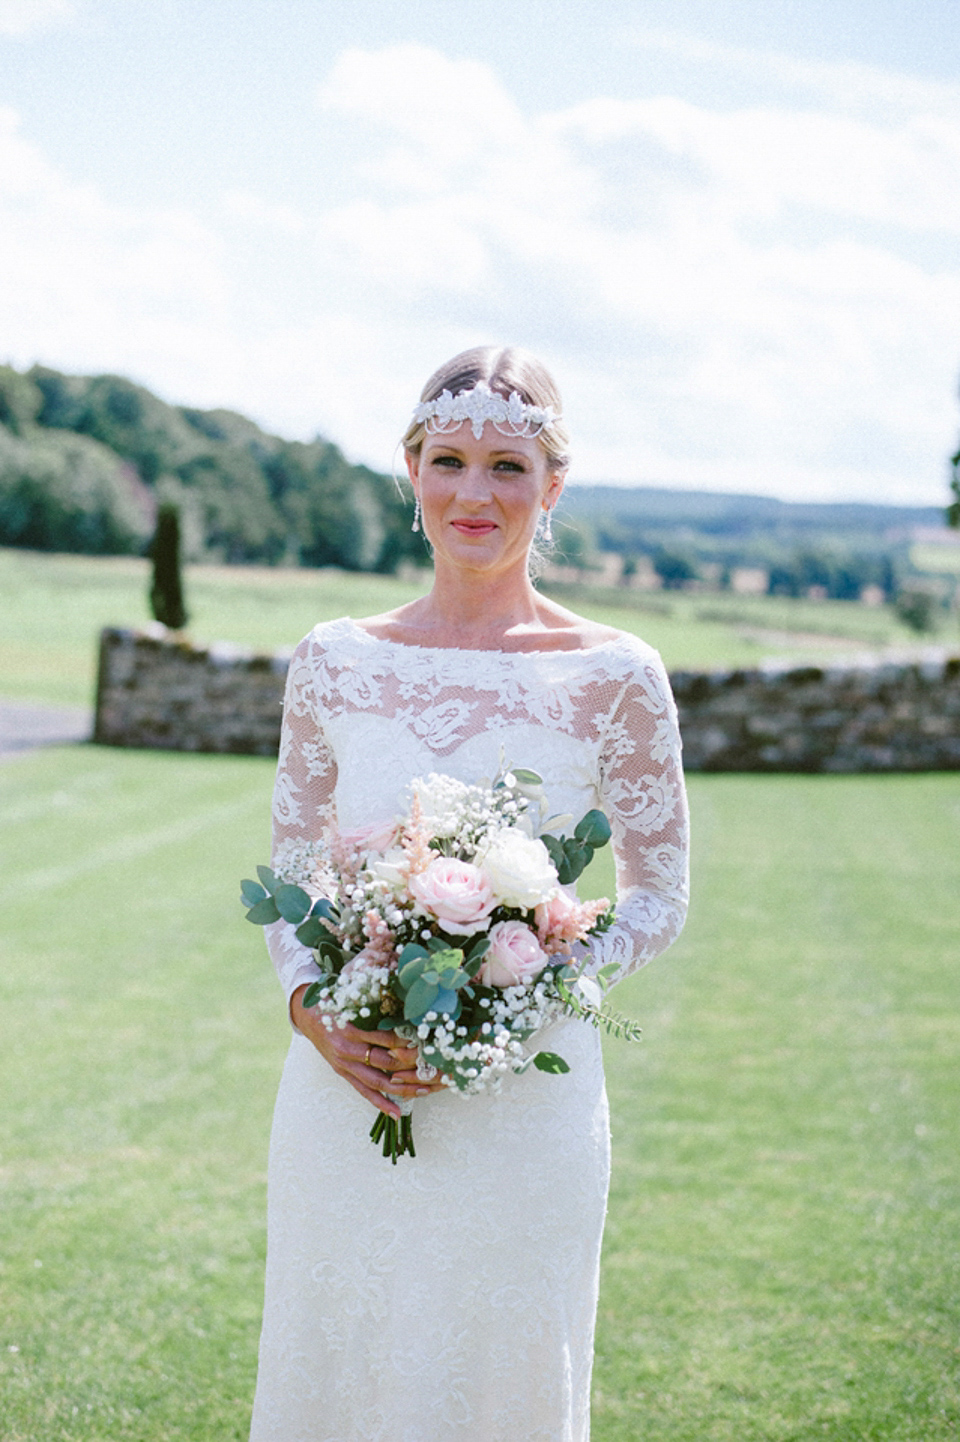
452, 1298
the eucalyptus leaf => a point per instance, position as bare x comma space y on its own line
447, 1001
264, 912
312, 994
293, 903
326, 909
479, 948
555, 847
311, 932
268, 878
549, 1061
577, 855
251, 892
449, 956
419, 1000
410, 951
594, 829
525, 777
412, 970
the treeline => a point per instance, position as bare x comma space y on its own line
696, 537
85, 460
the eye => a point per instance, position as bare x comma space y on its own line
512, 467
452, 463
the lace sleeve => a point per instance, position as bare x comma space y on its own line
642, 791
303, 811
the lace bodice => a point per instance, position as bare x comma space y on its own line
364, 716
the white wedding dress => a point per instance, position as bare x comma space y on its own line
451, 1298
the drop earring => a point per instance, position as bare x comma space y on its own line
416, 516
547, 533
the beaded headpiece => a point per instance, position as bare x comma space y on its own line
513, 417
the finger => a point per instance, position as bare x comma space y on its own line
411, 1089
411, 1081
373, 1095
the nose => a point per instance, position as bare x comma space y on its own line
475, 488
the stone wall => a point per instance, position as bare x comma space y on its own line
167, 694
902, 717
160, 692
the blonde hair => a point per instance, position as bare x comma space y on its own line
504, 370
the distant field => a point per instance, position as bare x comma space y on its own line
52, 608
782, 1259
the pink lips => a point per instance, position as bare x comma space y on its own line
474, 528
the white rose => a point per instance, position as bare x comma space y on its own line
519, 869
392, 868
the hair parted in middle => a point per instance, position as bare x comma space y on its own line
504, 370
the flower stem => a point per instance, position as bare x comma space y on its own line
395, 1136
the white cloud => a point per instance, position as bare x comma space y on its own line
735, 292
840, 86
93, 285
763, 297
21, 17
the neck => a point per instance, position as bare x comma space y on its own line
469, 607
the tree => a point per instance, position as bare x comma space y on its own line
674, 568
953, 510
166, 588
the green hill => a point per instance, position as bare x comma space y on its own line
85, 459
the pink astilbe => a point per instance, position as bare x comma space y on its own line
563, 920
346, 858
381, 948
416, 841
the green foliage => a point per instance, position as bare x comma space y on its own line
67, 493
953, 509
674, 567
551, 1063
571, 855
20, 401
251, 496
838, 548
166, 587
917, 607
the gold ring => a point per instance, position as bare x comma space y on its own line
366, 1060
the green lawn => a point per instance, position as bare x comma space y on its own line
782, 1250
52, 608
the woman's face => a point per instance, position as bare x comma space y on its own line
481, 499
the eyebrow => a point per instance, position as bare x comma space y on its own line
458, 451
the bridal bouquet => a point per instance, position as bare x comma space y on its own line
450, 926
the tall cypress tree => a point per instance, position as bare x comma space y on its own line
166, 588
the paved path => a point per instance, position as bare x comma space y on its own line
25, 725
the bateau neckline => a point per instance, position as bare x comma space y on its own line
368, 636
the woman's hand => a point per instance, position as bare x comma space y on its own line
373, 1062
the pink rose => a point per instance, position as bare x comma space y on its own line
378, 836
515, 956
455, 892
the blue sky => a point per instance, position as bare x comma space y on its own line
733, 230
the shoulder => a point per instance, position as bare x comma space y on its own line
622, 648
325, 637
